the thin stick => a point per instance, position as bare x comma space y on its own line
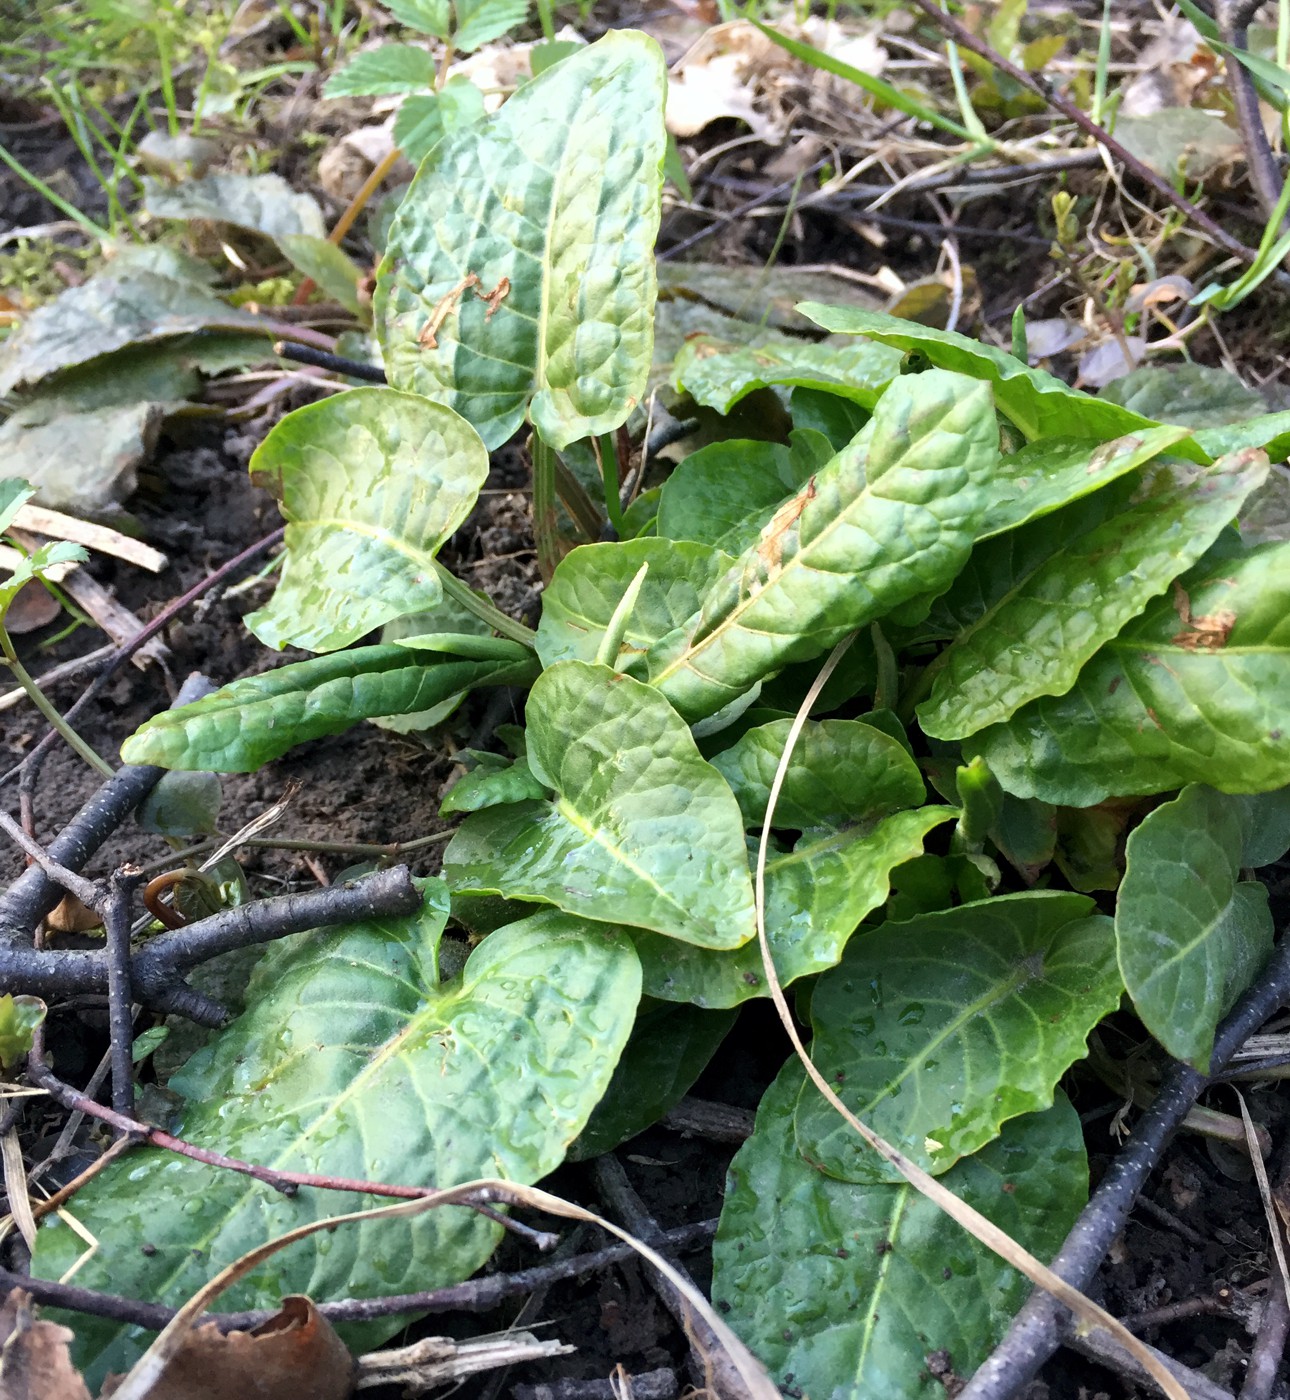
127, 649
477, 1295
963, 36
90, 894
322, 359
288, 1183
116, 922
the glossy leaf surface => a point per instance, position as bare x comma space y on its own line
940, 1029
641, 830
553, 206
243, 725
1035, 638
1194, 690
371, 483
842, 1290
355, 1060
892, 516
1191, 934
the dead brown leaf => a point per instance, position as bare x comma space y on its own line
295, 1355
34, 1359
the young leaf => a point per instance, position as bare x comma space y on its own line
19, 1018
423, 119
1191, 934
891, 517
1040, 404
553, 206
1197, 689
14, 494
717, 374
392, 68
242, 726
855, 1285
940, 1029
354, 1059
1035, 638
428, 16
816, 894
588, 583
371, 482
492, 786
479, 22
641, 830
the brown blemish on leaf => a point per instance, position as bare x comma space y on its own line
1209, 633
1182, 603
770, 547
1110, 452
448, 303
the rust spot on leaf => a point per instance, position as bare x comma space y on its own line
1209, 633
448, 303
770, 547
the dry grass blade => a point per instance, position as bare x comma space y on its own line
1086, 1311
148, 1369
15, 1185
1265, 1195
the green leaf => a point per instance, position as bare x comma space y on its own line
842, 1290
842, 774
1271, 432
14, 494
816, 894
1039, 404
891, 517
356, 1060
641, 830
718, 375
242, 726
260, 203
182, 804
940, 1029
589, 582
1034, 639
479, 22
1266, 817
559, 193
428, 16
1174, 699
335, 272
669, 1047
115, 308
836, 418
1191, 934
1046, 476
1180, 142
724, 493
423, 119
492, 786
548, 54
392, 68
19, 1019
371, 482
1198, 395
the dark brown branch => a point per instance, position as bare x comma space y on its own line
476, 1295
116, 923
964, 37
1035, 1334
156, 971
321, 359
33, 894
1233, 21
